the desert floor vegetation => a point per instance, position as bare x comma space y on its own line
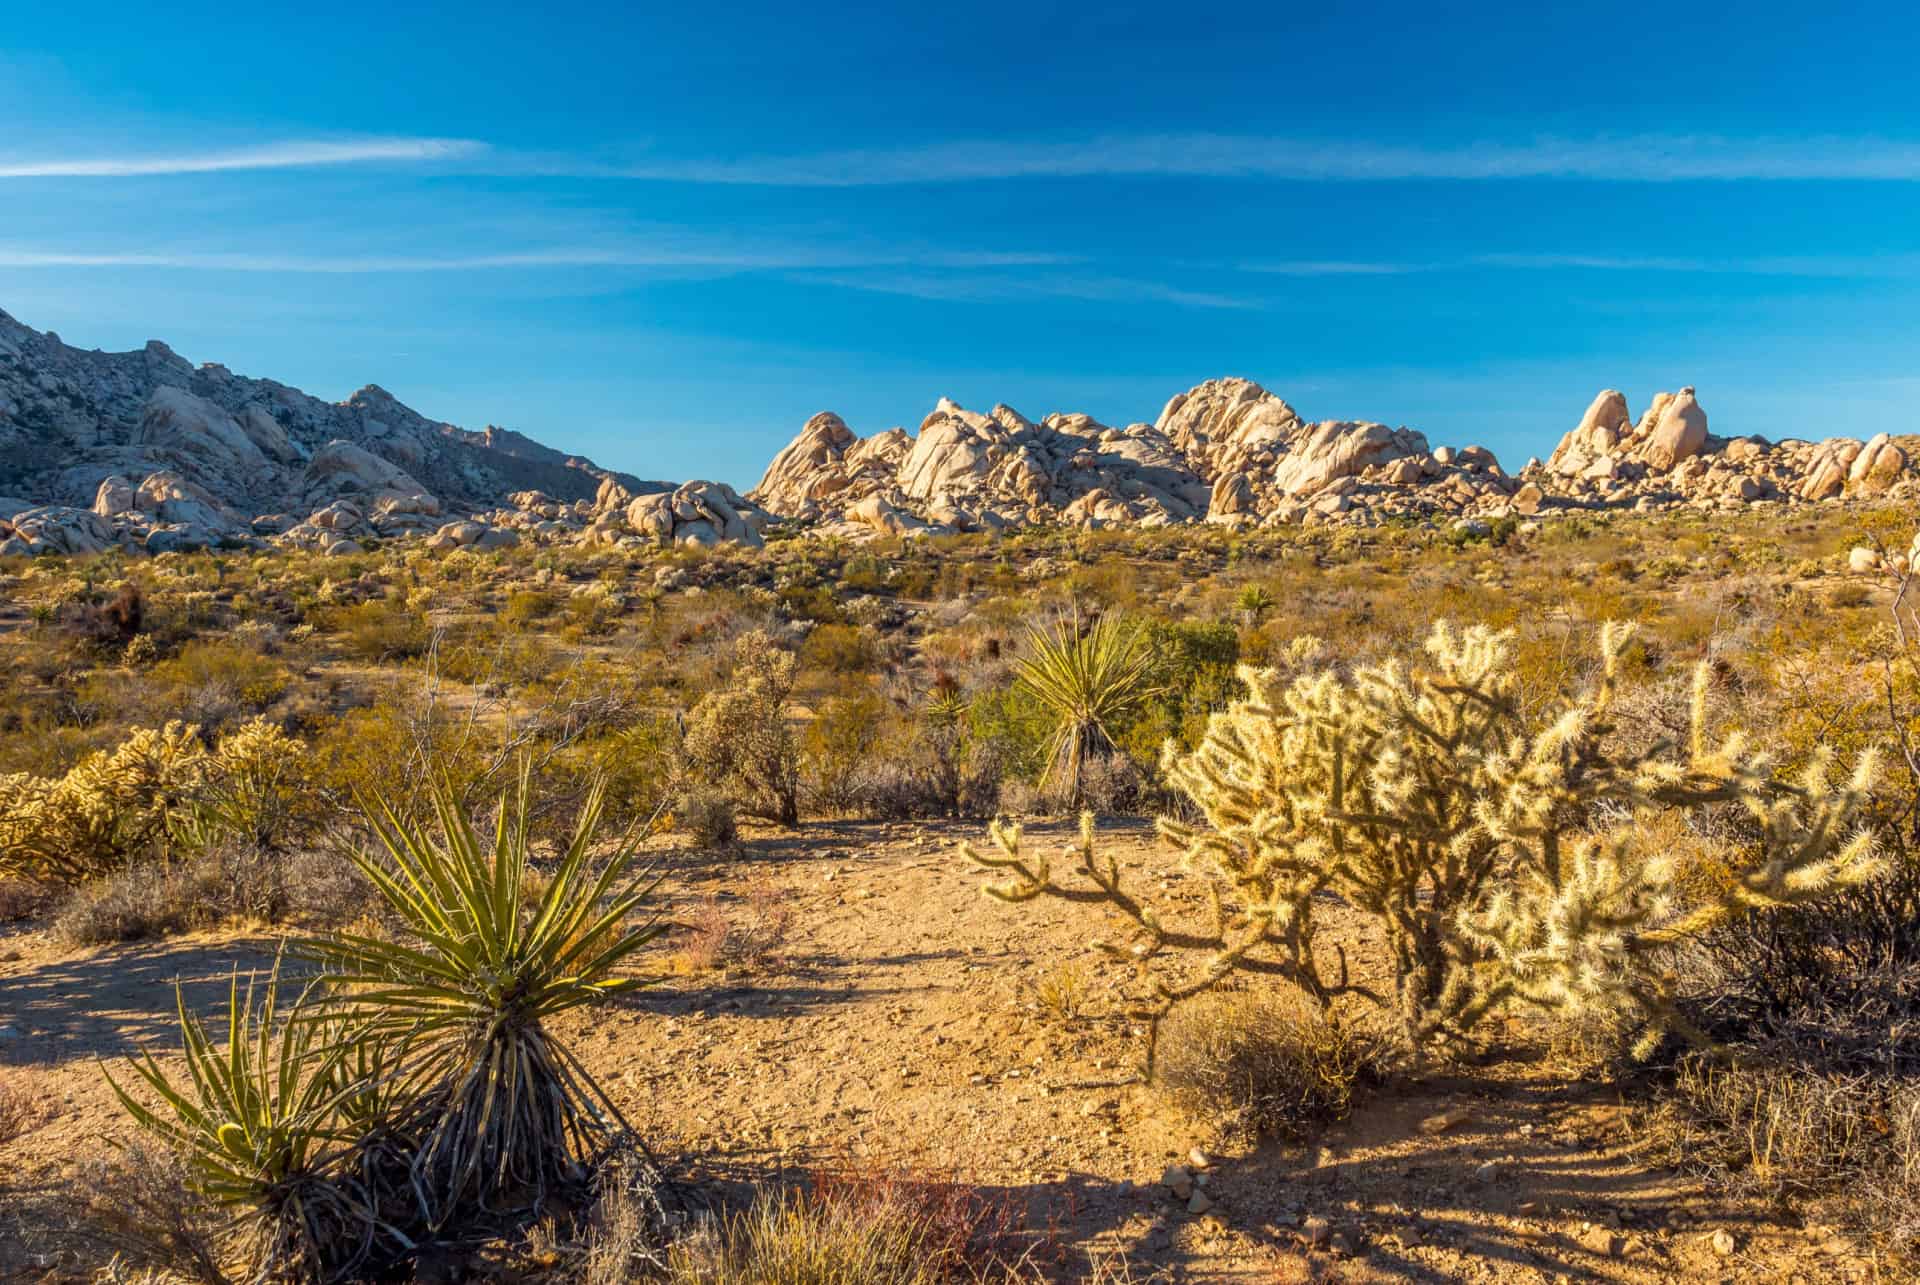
1387, 904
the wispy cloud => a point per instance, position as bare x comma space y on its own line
1330, 268
265, 156
719, 259
1894, 264
1793, 265
1640, 158
999, 288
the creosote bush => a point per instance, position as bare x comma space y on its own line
739, 739
1503, 858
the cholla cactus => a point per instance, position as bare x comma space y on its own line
158, 786
1482, 847
112, 804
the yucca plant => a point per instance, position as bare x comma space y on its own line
1089, 681
257, 1127
465, 993
1254, 602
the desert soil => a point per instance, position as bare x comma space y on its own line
898, 1024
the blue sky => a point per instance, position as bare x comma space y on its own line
666, 238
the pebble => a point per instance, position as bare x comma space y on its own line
1199, 1159
1199, 1204
1723, 1242
1316, 1229
1603, 1241
1446, 1120
1178, 1181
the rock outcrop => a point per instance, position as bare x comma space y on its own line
1229, 451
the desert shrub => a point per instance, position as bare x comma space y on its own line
489, 657
215, 682
526, 608
707, 817
1816, 1091
838, 649
162, 899
739, 739
20, 899
1014, 729
1506, 863
938, 765
378, 631
839, 745
639, 764
114, 622
1266, 1061
735, 934
1782, 1132
1195, 674
464, 991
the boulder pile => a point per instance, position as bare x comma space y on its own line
1228, 451
1669, 457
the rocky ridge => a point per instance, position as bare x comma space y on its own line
145, 450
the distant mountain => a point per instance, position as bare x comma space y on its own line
186, 435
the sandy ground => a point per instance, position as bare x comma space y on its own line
898, 1024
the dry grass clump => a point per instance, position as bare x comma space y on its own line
20, 899
864, 1228
1772, 1131
231, 883
1264, 1060
141, 1208
745, 936
20, 1109
624, 1233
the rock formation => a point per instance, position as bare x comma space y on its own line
1669, 457
1227, 451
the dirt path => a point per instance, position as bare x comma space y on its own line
899, 1026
